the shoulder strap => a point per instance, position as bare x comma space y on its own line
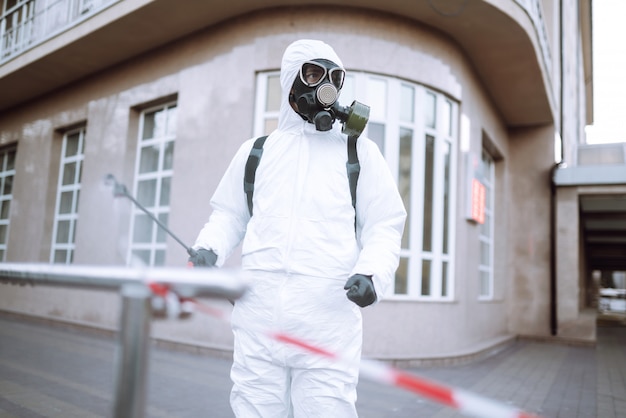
353, 168
251, 166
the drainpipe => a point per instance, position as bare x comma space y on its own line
553, 231
553, 227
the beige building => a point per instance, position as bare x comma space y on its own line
472, 102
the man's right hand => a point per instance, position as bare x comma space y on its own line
203, 258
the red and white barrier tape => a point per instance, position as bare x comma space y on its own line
465, 402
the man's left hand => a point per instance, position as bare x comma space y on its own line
360, 290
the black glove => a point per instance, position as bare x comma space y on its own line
361, 290
203, 258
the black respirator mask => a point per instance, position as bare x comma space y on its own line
315, 92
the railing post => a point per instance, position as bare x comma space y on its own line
132, 352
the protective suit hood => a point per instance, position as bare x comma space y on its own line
295, 55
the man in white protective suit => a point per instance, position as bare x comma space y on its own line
311, 271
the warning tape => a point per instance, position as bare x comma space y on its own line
465, 402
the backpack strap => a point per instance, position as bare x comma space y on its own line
354, 169
352, 166
251, 165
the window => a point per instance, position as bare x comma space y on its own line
16, 25
68, 193
153, 175
416, 130
267, 103
25, 23
7, 172
486, 176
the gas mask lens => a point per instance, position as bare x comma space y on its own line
313, 73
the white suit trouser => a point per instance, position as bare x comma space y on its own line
272, 379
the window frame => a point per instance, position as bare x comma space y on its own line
4, 173
488, 178
74, 187
158, 237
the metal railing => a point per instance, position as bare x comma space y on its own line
30, 22
137, 305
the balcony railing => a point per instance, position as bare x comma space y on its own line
26, 23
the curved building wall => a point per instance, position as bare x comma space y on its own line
211, 76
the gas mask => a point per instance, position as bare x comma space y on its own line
315, 92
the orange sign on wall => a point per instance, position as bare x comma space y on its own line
478, 201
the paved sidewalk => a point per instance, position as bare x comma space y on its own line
51, 371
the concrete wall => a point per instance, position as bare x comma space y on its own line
212, 77
568, 260
528, 232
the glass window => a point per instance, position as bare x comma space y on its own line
7, 185
68, 193
72, 145
69, 173
268, 103
168, 155
60, 256
7, 172
63, 232
486, 177
444, 279
172, 118
348, 91
402, 277
154, 124
5, 206
376, 132
430, 110
273, 93
407, 103
446, 117
404, 179
377, 96
447, 167
152, 186
429, 178
415, 129
149, 159
66, 202
426, 278
146, 192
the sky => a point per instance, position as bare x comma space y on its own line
609, 72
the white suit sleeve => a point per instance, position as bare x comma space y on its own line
380, 219
227, 224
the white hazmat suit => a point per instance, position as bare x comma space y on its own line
301, 247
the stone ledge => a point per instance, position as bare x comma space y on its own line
470, 354
193, 347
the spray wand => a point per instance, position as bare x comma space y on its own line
120, 190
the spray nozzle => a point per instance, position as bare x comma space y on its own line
119, 189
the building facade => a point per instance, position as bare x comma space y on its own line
472, 103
